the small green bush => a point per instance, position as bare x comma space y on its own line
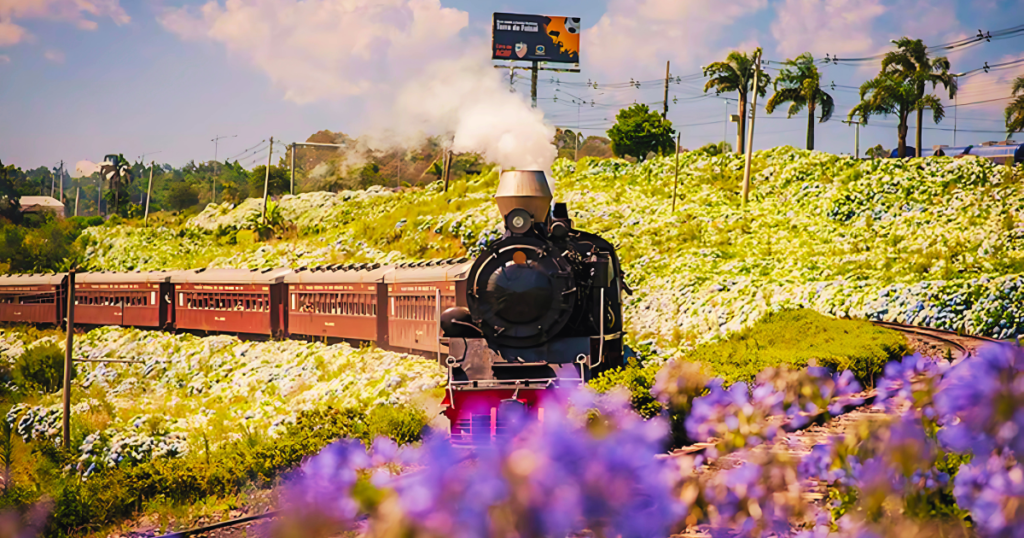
636, 378
402, 424
800, 338
41, 367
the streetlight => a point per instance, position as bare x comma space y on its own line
579, 103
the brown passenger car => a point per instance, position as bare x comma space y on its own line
417, 295
236, 301
32, 298
343, 303
128, 299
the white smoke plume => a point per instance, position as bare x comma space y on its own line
86, 168
402, 63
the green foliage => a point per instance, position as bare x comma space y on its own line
10, 207
280, 181
402, 425
1014, 112
877, 152
799, 338
254, 461
799, 83
182, 196
638, 380
638, 131
712, 148
41, 367
736, 74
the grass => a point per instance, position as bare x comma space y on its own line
801, 338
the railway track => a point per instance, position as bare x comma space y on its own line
936, 342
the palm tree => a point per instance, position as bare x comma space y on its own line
736, 74
910, 61
800, 84
1015, 110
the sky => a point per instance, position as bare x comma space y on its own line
83, 78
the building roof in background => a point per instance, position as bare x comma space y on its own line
38, 203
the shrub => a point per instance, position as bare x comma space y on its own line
402, 424
41, 367
638, 380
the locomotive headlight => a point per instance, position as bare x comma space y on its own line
518, 221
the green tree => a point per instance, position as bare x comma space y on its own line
119, 175
1015, 110
899, 88
280, 181
10, 205
182, 196
639, 131
715, 148
799, 83
736, 74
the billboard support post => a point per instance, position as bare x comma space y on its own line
533, 84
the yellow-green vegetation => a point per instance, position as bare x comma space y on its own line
801, 338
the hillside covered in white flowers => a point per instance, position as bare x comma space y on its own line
931, 241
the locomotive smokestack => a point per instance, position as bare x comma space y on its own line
525, 189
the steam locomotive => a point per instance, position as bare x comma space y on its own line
539, 309
543, 309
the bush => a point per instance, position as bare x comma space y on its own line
41, 367
635, 378
182, 196
801, 338
402, 425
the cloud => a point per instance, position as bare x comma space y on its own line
11, 34
54, 56
857, 27
86, 168
320, 49
402, 64
842, 27
658, 30
4, 59
985, 87
76, 12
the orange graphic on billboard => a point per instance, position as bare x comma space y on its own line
567, 38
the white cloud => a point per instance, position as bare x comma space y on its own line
842, 27
985, 87
73, 11
659, 30
402, 64
86, 168
54, 56
321, 49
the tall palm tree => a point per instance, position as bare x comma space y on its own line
1015, 110
736, 74
910, 61
799, 83
890, 94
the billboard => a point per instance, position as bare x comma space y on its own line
536, 38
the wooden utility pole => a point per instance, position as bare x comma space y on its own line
149, 192
266, 182
68, 347
78, 192
665, 113
62, 181
293, 169
750, 135
675, 186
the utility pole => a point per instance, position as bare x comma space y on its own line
266, 182
68, 347
664, 114
99, 197
447, 168
675, 186
216, 140
750, 135
62, 181
293, 169
78, 192
149, 192
533, 83
856, 137
53, 181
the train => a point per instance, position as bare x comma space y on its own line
1005, 152
539, 309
